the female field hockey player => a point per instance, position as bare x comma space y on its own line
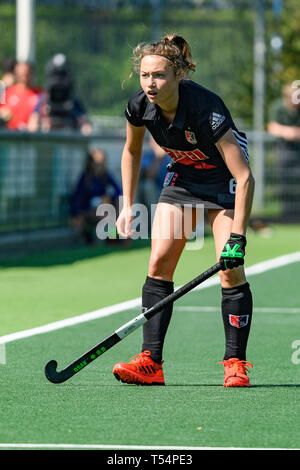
210, 167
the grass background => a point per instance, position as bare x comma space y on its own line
193, 409
44, 287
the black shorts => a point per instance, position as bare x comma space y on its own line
180, 191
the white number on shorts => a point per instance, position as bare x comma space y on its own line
232, 186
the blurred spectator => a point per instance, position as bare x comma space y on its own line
20, 98
7, 80
95, 186
152, 174
8, 71
284, 123
58, 108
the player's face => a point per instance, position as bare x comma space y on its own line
158, 80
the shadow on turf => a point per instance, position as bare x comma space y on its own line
67, 255
220, 385
167, 386
275, 386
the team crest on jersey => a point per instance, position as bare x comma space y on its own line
238, 321
190, 137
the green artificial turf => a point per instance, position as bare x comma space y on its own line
49, 286
193, 409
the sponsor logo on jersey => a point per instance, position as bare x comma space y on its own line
190, 137
238, 321
190, 157
216, 120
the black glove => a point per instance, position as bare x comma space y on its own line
233, 252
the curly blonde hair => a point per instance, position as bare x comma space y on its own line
173, 47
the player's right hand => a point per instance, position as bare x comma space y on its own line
233, 252
124, 221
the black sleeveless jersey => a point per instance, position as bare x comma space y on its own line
200, 121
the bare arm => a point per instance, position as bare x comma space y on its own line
237, 164
130, 168
285, 132
131, 161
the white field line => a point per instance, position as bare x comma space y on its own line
257, 309
125, 447
134, 303
82, 318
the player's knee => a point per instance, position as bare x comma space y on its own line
232, 277
160, 266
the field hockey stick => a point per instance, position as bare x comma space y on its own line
76, 366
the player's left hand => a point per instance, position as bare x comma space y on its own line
233, 252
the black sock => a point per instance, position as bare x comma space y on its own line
154, 331
237, 314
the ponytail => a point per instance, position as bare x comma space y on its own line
173, 47
184, 48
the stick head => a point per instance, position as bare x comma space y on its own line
57, 377
51, 372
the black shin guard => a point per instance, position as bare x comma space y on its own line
237, 314
154, 331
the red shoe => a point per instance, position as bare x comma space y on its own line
235, 373
141, 370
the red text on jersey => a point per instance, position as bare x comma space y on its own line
190, 157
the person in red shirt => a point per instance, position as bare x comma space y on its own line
20, 98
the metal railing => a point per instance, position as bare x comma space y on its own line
38, 173
276, 167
